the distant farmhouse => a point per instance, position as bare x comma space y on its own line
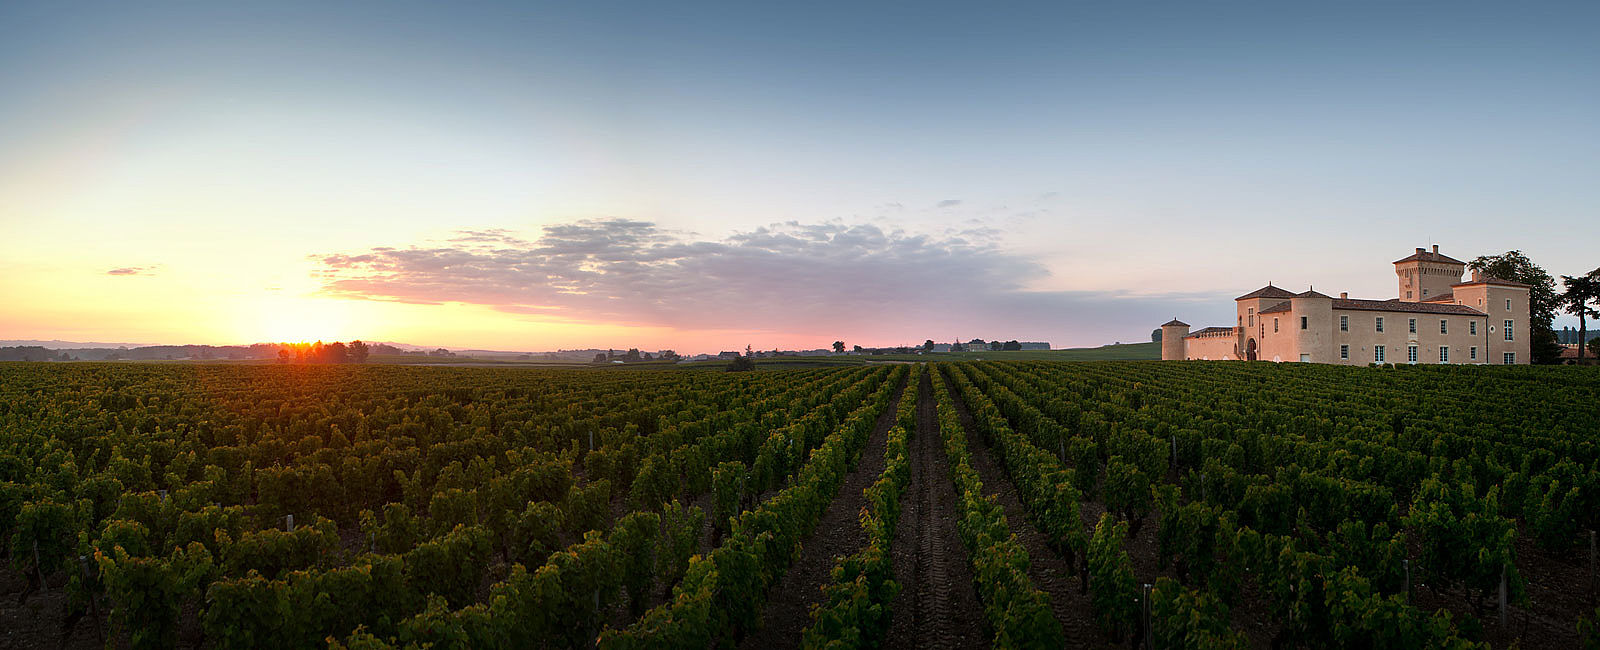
1437, 318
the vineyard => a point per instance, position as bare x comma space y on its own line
1026, 504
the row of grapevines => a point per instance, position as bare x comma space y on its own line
855, 606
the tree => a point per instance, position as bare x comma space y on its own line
957, 347
1594, 346
857, 349
1542, 298
749, 352
996, 346
838, 347
927, 345
599, 357
668, 355
632, 355
1155, 335
358, 351
1012, 345
742, 364
1576, 300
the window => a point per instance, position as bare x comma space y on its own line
1510, 358
1412, 325
1377, 353
1444, 354
1305, 358
1344, 352
1508, 304
1380, 323
1472, 353
1424, 293
1408, 295
1275, 323
1344, 323
1411, 354
1444, 326
1472, 327
1508, 330
1302, 322
1252, 312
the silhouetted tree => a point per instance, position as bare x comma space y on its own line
857, 349
632, 355
599, 357
1155, 335
741, 364
996, 346
838, 347
1581, 291
1012, 345
669, 355
927, 345
358, 351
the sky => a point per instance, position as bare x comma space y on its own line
703, 176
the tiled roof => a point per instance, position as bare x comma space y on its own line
1491, 280
1311, 294
1174, 322
1443, 297
1396, 305
1210, 330
1387, 305
1268, 291
1423, 255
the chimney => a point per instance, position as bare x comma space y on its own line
1477, 275
1344, 295
1435, 249
1421, 251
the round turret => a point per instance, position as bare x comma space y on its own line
1172, 340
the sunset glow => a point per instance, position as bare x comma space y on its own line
200, 175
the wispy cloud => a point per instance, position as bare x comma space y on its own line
791, 277
132, 270
948, 203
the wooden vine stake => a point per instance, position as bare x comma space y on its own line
288, 523
1593, 586
38, 569
94, 603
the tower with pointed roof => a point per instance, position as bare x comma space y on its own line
1173, 333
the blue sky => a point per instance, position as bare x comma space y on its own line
1097, 165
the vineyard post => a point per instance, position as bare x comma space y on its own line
38, 569
1592, 584
1144, 616
1407, 564
591, 440
288, 523
94, 605
1502, 595
1174, 451
163, 494
1203, 487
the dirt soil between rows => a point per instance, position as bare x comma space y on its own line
937, 606
838, 533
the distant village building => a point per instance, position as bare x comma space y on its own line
724, 356
1437, 318
1035, 345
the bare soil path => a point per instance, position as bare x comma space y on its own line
788, 608
938, 605
1048, 570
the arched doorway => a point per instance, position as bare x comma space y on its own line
1250, 350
